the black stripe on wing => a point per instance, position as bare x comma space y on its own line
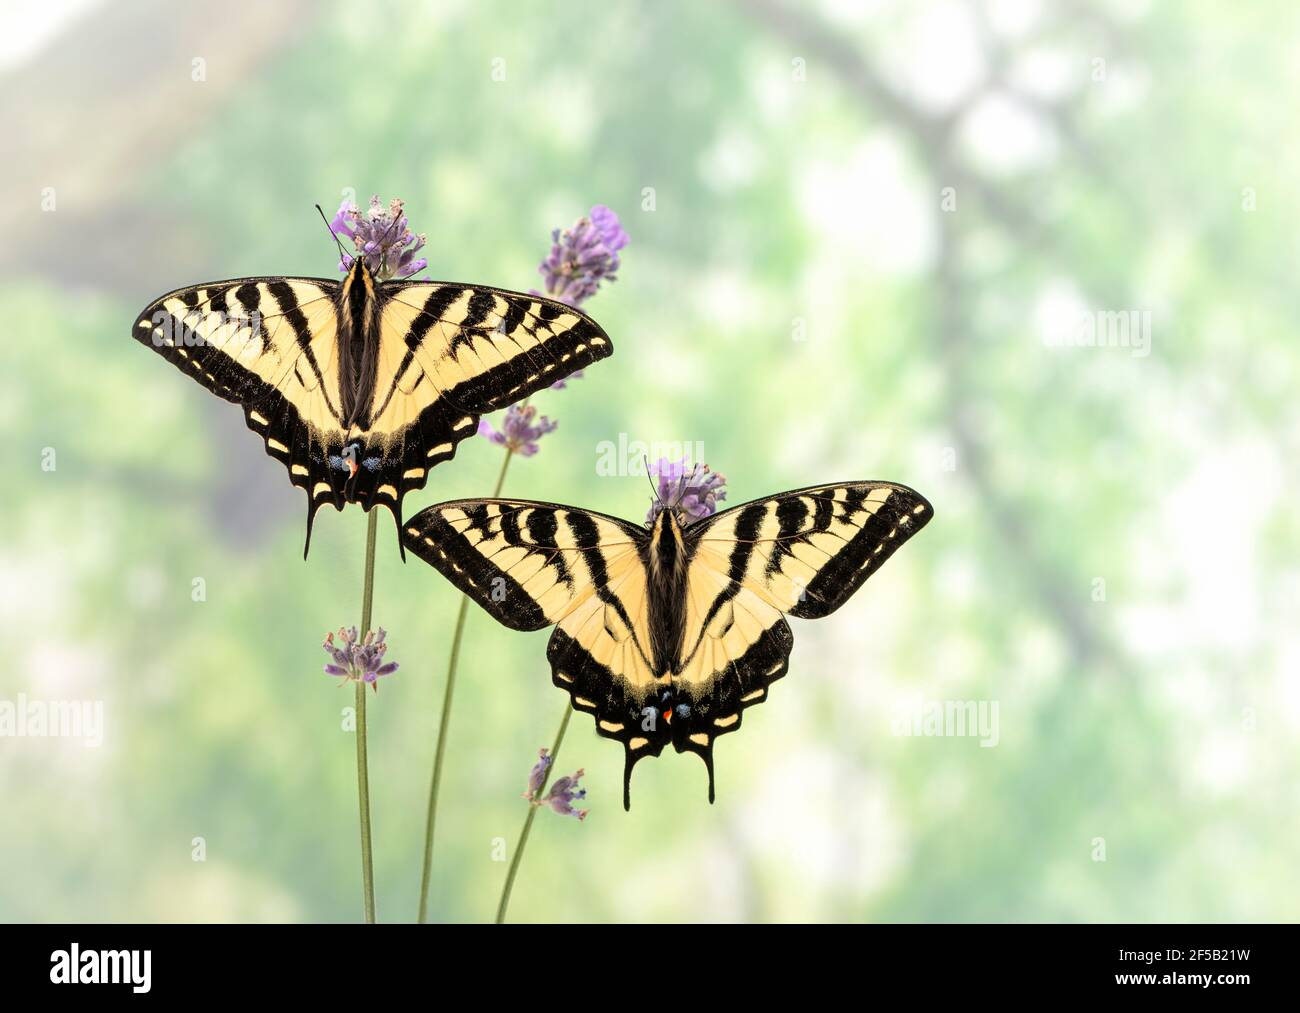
900, 517
268, 304
461, 538
847, 528
555, 350
436, 540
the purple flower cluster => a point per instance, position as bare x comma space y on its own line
358, 661
537, 776
580, 259
583, 256
693, 492
381, 235
564, 792
519, 430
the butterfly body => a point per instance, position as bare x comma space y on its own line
666, 634
358, 320
666, 556
382, 377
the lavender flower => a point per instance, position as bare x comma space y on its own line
583, 256
382, 236
564, 792
519, 431
358, 661
692, 492
537, 776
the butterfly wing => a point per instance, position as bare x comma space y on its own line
269, 345
442, 355
532, 565
802, 553
448, 353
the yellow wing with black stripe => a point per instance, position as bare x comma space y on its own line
531, 565
271, 346
801, 553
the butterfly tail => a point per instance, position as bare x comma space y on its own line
707, 756
396, 511
629, 761
312, 507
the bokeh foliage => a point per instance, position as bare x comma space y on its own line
1161, 719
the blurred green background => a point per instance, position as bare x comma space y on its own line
858, 234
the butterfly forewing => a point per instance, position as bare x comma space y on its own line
529, 564
485, 348
807, 551
234, 335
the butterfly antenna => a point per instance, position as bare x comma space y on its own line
333, 235
654, 489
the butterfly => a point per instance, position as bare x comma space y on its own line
359, 386
665, 632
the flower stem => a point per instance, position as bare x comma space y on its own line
363, 773
440, 750
528, 820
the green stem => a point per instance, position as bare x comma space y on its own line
363, 772
435, 782
528, 820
